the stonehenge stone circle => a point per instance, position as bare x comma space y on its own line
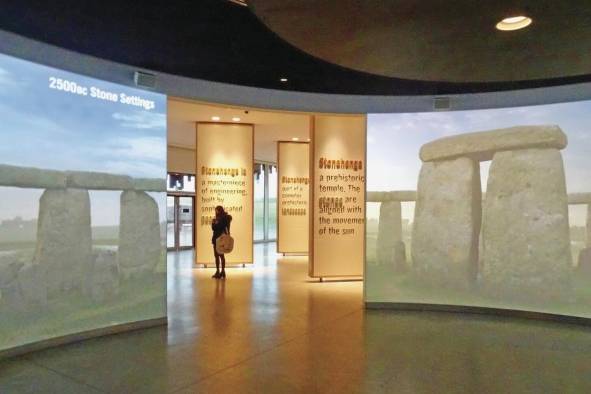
63, 258
139, 234
481, 146
447, 223
64, 240
525, 226
389, 231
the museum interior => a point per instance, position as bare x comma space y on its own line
260, 196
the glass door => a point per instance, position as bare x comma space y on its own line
170, 223
259, 203
185, 222
265, 202
179, 226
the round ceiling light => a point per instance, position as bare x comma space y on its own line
236, 119
215, 118
514, 23
283, 79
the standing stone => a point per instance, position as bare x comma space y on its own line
389, 231
31, 281
102, 278
584, 263
140, 246
526, 232
400, 257
10, 265
11, 296
64, 239
589, 226
447, 223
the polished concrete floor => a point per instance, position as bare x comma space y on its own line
268, 329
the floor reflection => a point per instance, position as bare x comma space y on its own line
266, 328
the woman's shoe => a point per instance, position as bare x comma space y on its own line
223, 275
217, 275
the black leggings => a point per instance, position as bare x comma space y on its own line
218, 258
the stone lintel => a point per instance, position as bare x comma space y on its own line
98, 181
579, 198
397, 195
482, 145
149, 184
38, 178
30, 177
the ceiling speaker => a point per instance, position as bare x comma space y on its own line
144, 80
441, 104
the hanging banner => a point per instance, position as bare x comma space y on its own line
224, 169
293, 191
338, 196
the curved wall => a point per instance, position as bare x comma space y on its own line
82, 206
481, 209
31, 50
214, 92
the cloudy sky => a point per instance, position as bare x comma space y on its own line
51, 129
394, 140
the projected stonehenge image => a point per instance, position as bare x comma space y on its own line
503, 241
57, 263
82, 207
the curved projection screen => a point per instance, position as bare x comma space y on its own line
82, 207
486, 208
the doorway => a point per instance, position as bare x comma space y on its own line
180, 222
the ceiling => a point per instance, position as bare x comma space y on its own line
269, 126
371, 47
436, 40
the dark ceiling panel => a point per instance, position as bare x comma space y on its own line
439, 40
209, 39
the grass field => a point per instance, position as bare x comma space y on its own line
383, 284
73, 312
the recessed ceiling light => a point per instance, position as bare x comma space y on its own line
236, 119
295, 139
215, 118
239, 2
514, 23
308, 139
283, 79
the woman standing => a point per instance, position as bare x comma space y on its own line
220, 225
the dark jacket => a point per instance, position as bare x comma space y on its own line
220, 226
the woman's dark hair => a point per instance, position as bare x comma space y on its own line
221, 211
